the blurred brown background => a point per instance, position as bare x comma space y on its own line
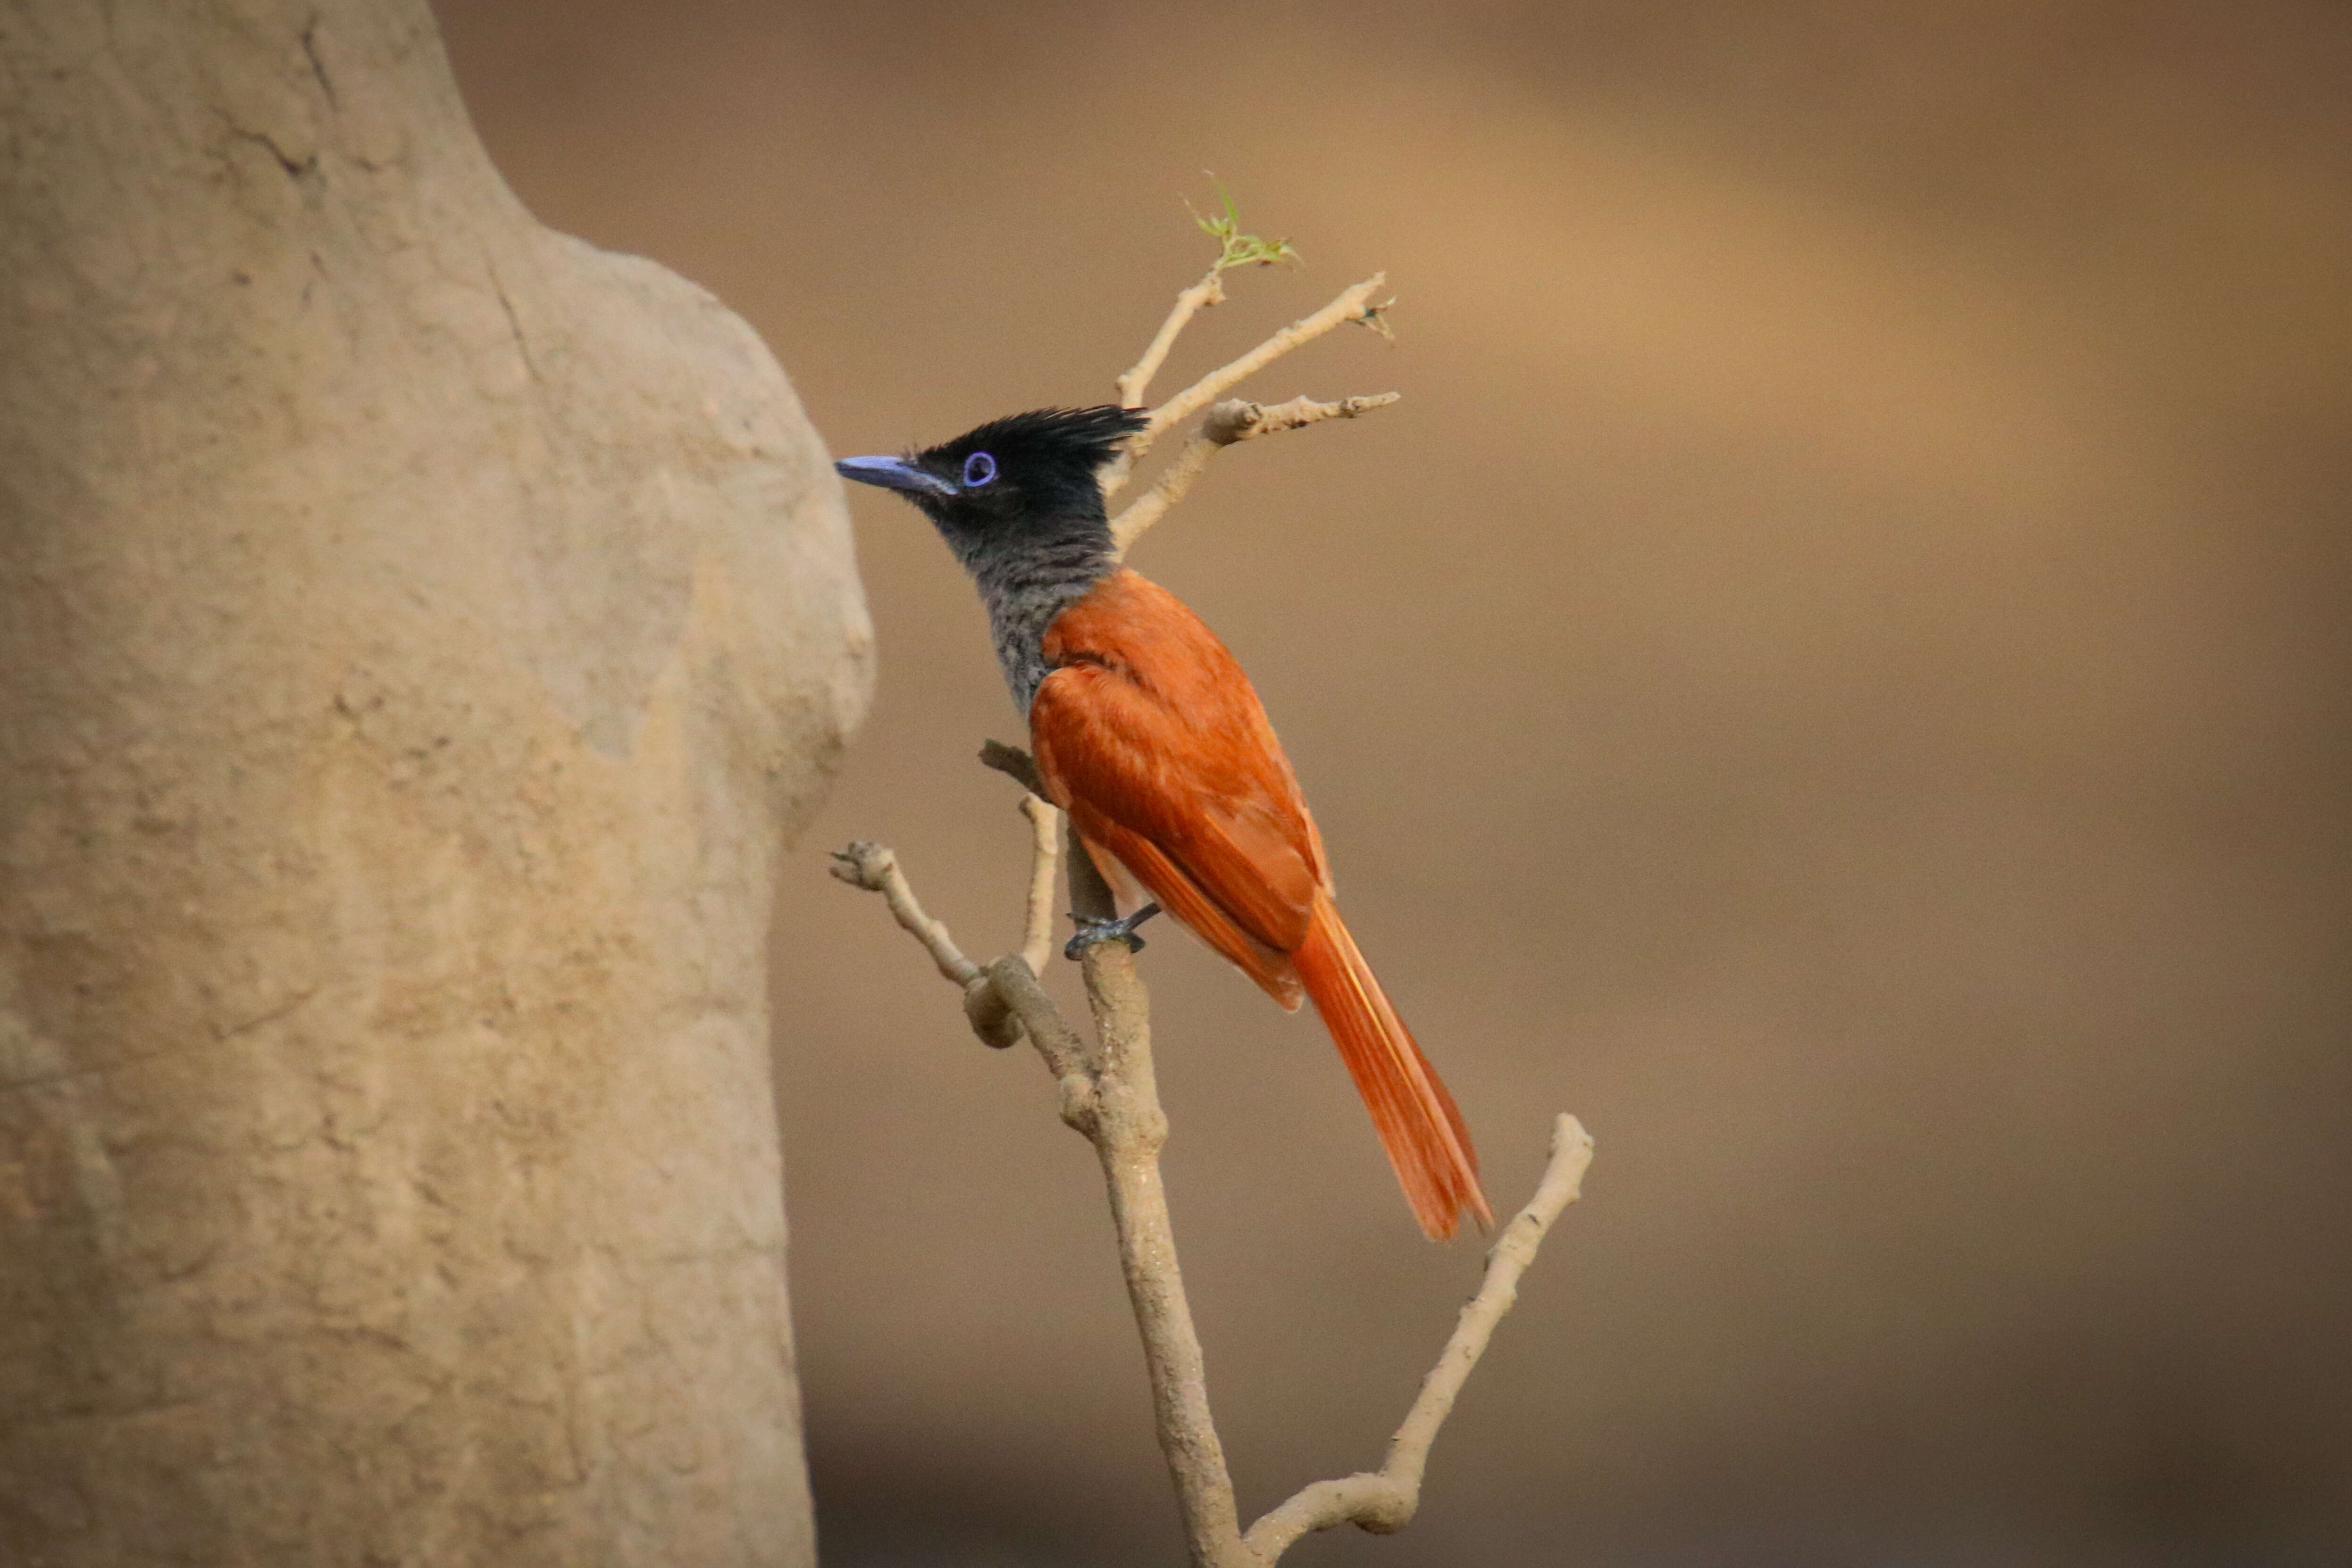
1835, 674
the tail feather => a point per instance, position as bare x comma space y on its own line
1417, 1119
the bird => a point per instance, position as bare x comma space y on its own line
1147, 733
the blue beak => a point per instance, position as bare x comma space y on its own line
893, 474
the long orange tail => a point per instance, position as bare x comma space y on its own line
1419, 1125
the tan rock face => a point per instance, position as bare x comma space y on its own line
418, 632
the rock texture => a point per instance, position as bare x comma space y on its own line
418, 630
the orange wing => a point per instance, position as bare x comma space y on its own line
1149, 735
1150, 731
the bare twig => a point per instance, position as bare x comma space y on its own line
1385, 1500
1014, 764
1351, 305
1210, 290
1228, 422
875, 868
1045, 831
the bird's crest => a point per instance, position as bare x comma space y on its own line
1045, 437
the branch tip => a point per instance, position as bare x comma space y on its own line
1376, 317
864, 863
1014, 763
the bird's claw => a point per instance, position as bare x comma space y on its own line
1093, 931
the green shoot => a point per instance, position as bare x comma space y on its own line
1234, 247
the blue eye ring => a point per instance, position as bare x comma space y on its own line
977, 470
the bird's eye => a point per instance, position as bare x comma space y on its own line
977, 470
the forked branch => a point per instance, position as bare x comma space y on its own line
1352, 305
1107, 1091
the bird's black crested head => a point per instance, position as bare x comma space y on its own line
1018, 503
1027, 478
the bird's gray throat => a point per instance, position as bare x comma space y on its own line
1024, 592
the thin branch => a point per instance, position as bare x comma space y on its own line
1014, 763
1228, 422
1351, 305
1045, 826
1045, 835
1210, 290
1384, 1501
875, 868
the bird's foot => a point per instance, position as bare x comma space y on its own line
1093, 931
